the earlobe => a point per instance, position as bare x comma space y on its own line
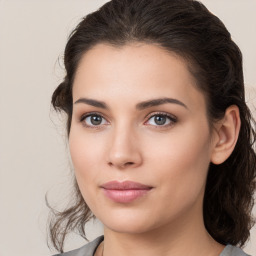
227, 132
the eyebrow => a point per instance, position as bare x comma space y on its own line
157, 102
140, 106
95, 103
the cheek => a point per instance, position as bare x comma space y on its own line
86, 148
85, 159
82, 154
86, 152
181, 165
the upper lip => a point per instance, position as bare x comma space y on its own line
125, 185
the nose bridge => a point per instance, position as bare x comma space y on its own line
124, 149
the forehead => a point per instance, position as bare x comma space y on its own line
135, 70
135, 58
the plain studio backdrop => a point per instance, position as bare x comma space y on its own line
33, 153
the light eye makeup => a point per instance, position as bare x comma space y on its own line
95, 120
161, 120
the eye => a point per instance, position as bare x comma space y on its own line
161, 119
93, 120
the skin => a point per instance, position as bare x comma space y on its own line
128, 144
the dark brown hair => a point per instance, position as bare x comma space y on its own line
188, 29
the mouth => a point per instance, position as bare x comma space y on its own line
125, 192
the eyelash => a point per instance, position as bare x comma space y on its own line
171, 118
83, 117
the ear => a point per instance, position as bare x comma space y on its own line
226, 135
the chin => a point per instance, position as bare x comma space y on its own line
130, 223
128, 228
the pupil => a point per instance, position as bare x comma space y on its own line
160, 120
96, 120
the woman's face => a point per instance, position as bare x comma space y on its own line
138, 116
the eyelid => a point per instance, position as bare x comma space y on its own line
85, 115
173, 119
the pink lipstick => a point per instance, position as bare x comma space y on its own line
124, 192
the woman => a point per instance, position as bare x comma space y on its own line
160, 136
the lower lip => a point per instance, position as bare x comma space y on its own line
125, 196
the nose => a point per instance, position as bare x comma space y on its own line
124, 149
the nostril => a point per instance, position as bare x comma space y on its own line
121, 165
129, 163
126, 164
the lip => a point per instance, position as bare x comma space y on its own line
124, 192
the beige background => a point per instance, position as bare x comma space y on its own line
33, 153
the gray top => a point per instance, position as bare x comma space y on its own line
90, 248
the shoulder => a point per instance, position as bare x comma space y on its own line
86, 250
231, 250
